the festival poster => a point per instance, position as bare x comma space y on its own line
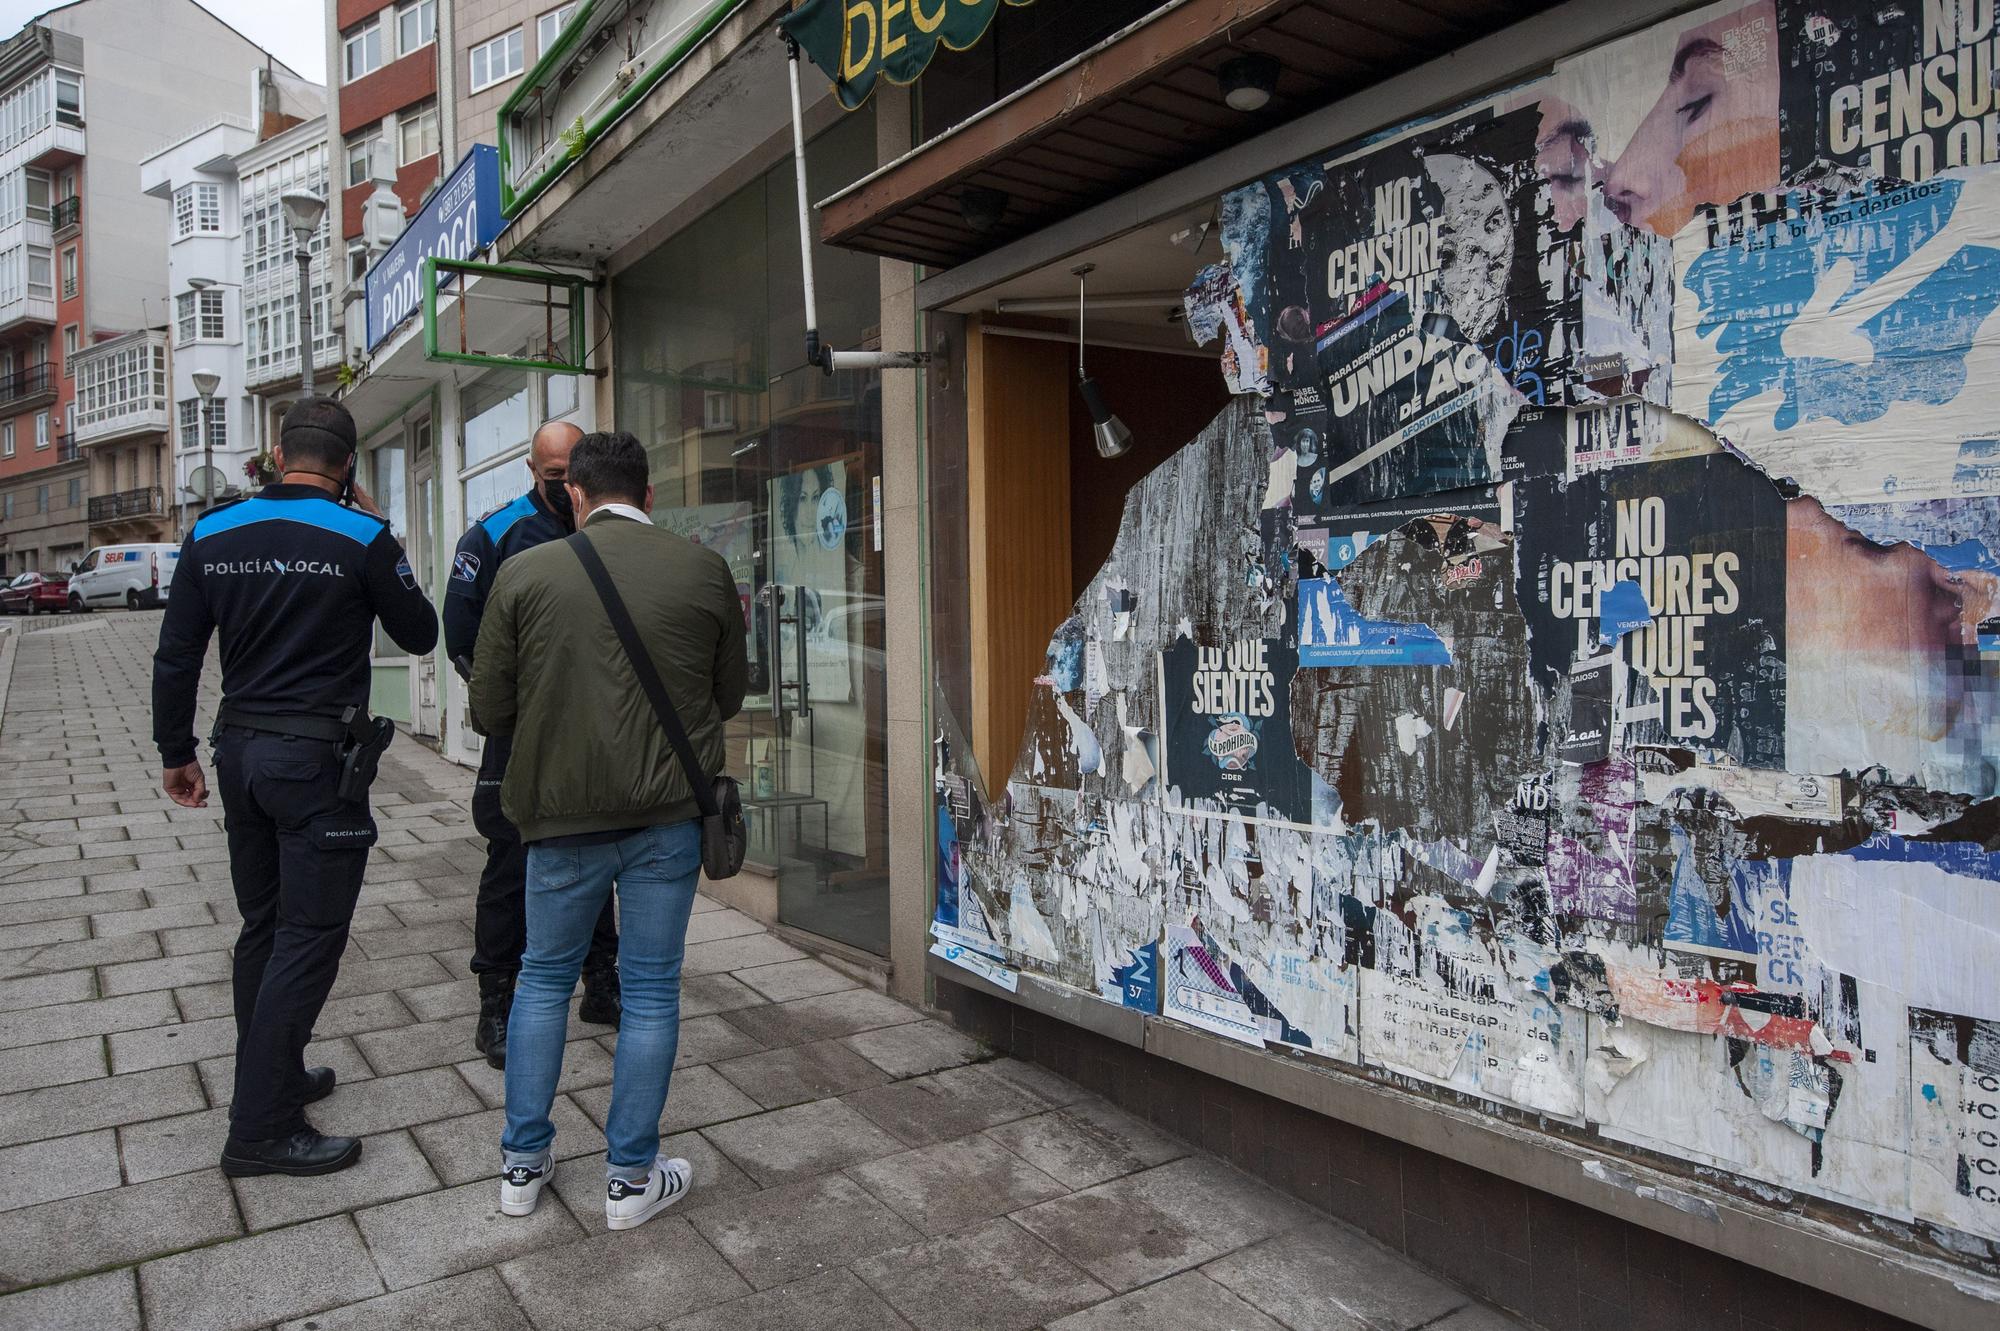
1227, 749
1862, 98
1845, 344
1705, 540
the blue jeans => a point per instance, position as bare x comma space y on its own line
656, 870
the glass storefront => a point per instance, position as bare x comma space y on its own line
778, 468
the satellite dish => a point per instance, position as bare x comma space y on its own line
207, 482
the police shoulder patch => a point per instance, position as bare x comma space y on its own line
465, 568
406, 573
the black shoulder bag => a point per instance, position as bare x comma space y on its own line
724, 837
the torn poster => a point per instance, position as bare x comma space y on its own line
1954, 1105
1195, 988
1331, 633
1228, 741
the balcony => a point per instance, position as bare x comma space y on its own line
146, 502
67, 216
66, 449
24, 390
121, 388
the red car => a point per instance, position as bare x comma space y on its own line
32, 593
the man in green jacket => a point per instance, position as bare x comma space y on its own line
599, 797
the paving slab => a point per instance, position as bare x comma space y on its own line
404, 1100
801, 1229
731, 954
710, 925
696, 1097
997, 1277
57, 1167
430, 1044
402, 942
942, 1106
779, 1077
391, 1168
835, 1301
182, 918
1088, 1143
66, 906
1189, 1299
705, 994
137, 977
54, 1064
617, 1281
45, 990
821, 1017
106, 1102
457, 997
52, 957
1147, 1226
797, 1142
475, 1301
954, 1184
218, 1075
786, 980
915, 1048
107, 1302
164, 1046
468, 1147
459, 1229
253, 1282
130, 1224
1327, 1277
585, 1064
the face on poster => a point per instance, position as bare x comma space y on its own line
1681, 115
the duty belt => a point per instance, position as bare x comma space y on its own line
300, 724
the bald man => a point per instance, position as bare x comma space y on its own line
500, 925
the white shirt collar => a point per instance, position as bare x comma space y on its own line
623, 511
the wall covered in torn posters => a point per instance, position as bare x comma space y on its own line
1567, 676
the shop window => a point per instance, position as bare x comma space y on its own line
772, 463
496, 61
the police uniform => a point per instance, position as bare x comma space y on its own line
293, 582
500, 920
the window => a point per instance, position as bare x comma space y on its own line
357, 260
416, 25
357, 161
75, 491
197, 208
69, 273
198, 314
41, 429
418, 131
562, 395
41, 499
6, 439
7, 506
37, 195
190, 424
69, 97
496, 61
362, 50
70, 339
41, 275
549, 27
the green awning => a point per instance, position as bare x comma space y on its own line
856, 42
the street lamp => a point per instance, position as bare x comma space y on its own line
303, 211
205, 383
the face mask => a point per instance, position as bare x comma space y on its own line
557, 497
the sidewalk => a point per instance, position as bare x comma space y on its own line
856, 1165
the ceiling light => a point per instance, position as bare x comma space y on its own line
1249, 82
983, 209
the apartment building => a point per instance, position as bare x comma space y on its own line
497, 42
83, 261
234, 288
383, 86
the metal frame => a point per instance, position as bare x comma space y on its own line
512, 201
465, 268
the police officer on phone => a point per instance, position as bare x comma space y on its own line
500, 916
293, 579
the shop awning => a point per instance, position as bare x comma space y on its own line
857, 43
1137, 106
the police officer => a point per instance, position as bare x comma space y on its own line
500, 919
294, 579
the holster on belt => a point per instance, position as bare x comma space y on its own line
361, 751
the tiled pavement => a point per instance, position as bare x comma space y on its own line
856, 1165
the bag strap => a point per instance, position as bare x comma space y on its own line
642, 666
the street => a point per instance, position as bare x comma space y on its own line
856, 1165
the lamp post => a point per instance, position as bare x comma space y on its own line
205, 383
303, 211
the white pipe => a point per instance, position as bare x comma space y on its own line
1044, 335
878, 360
805, 209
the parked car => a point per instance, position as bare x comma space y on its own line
136, 575
33, 593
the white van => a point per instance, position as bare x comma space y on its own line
134, 576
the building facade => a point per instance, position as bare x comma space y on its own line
83, 260
382, 98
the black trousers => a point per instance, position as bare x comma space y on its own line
500, 916
296, 855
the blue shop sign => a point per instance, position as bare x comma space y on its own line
459, 221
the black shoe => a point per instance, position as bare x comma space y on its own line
304, 1152
496, 1000
319, 1085
601, 1005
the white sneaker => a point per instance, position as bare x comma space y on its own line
521, 1188
629, 1205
